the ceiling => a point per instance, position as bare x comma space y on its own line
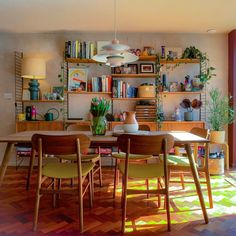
171, 16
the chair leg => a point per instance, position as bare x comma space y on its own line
168, 211
208, 182
80, 194
90, 177
115, 176
100, 172
159, 196
36, 210
182, 180
124, 203
54, 195
30, 170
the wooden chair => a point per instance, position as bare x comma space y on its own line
144, 145
94, 158
67, 145
181, 163
119, 156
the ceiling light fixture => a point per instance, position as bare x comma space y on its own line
115, 54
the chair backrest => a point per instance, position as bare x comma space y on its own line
60, 145
76, 127
145, 144
204, 133
144, 127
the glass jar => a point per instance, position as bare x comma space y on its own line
99, 125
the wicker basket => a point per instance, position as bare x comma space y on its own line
216, 166
146, 91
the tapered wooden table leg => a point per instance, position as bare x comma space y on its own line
6, 159
196, 181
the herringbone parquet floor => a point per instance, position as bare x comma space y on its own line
143, 217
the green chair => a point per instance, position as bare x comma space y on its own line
148, 146
65, 145
181, 164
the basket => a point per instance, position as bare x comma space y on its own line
146, 91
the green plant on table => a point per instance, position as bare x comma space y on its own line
220, 110
99, 108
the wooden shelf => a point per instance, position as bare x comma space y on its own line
141, 58
41, 101
151, 75
75, 92
135, 99
78, 60
196, 92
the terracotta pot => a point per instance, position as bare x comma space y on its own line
217, 136
130, 122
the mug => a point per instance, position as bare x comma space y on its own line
21, 116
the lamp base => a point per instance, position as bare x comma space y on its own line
34, 89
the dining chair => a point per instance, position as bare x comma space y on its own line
152, 145
120, 156
180, 164
67, 145
94, 158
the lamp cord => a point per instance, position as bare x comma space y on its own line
115, 26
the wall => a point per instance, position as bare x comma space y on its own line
51, 45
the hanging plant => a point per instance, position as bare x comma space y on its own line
206, 71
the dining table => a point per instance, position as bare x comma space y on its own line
110, 140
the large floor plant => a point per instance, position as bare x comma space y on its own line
220, 113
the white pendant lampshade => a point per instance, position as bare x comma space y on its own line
115, 54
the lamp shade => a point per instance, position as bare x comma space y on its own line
33, 68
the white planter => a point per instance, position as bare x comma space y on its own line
217, 136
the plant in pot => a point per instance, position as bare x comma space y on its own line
189, 106
206, 71
220, 114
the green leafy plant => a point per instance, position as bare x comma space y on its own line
220, 110
206, 71
100, 106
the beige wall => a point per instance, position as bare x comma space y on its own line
51, 46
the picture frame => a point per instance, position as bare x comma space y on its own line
117, 70
146, 68
25, 94
59, 90
133, 68
77, 79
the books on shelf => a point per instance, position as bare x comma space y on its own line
82, 50
121, 89
101, 83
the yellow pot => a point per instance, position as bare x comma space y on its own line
217, 136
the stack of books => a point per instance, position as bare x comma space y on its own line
82, 50
101, 84
121, 89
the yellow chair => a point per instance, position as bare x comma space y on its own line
66, 145
181, 163
144, 145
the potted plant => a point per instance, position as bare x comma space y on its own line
206, 71
220, 114
187, 104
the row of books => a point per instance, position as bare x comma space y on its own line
121, 89
82, 50
102, 84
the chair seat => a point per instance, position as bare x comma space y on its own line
178, 161
143, 171
87, 157
122, 155
65, 170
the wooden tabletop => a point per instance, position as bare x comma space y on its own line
110, 137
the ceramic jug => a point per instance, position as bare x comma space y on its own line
130, 122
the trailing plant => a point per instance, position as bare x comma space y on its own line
206, 71
220, 110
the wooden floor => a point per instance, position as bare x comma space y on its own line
143, 217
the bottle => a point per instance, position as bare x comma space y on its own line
163, 53
33, 113
177, 114
28, 112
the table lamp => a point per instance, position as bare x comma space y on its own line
33, 69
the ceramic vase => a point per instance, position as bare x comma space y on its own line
130, 122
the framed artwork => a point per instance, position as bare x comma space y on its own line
147, 68
77, 79
25, 94
59, 90
133, 68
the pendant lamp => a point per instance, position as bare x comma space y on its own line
115, 54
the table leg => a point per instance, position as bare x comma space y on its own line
6, 158
196, 180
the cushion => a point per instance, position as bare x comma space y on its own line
122, 155
178, 160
